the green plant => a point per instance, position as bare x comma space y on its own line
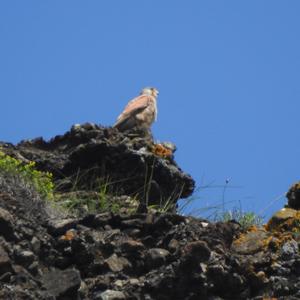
147, 183
163, 205
102, 195
41, 181
218, 211
246, 219
169, 204
99, 199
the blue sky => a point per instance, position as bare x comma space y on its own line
228, 74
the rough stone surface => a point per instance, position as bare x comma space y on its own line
24, 257
111, 295
62, 283
251, 243
289, 250
117, 264
5, 263
281, 217
6, 224
134, 255
293, 196
157, 257
90, 151
59, 227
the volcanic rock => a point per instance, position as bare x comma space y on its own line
62, 284
293, 196
92, 155
5, 263
6, 224
111, 251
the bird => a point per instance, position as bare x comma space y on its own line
140, 112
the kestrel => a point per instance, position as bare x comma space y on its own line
140, 112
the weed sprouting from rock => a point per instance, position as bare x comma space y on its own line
219, 212
246, 219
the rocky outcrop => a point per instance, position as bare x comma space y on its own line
141, 256
47, 254
107, 256
129, 163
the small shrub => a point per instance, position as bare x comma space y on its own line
103, 195
41, 181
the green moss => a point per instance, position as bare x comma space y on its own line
41, 181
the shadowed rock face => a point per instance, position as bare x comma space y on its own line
89, 153
136, 257
293, 196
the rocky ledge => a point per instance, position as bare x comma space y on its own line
129, 163
47, 254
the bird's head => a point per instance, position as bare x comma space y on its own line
150, 91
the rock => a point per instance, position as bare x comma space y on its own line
198, 251
289, 250
36, 245
156, 257
293, 196
6, 224
117, 264
110, 295
204, 224
102, 219
279, 270
192, 255
87, 151
281, 286
33, 268
62, 283
133, 223
120, 253
24, 257
251, 242
134, 281
173, 245
258, 280
131, 246
59, 227
5, 262
283, 218
296, 267
81, 253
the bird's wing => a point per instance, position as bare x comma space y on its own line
134, 107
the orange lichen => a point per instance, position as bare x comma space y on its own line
277, 240
68, 236
267, 241
252, 228
272, 240
162, 151
291, 224
242, 237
